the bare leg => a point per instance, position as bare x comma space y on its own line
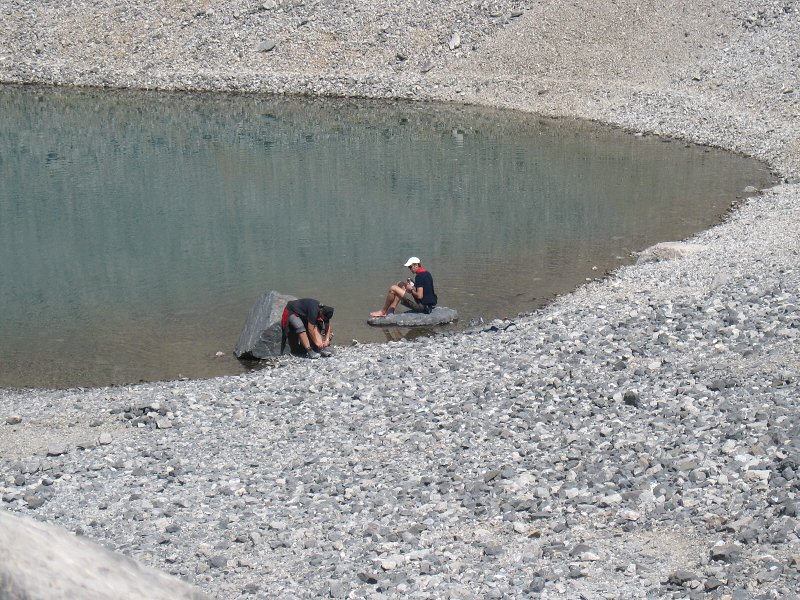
386, 305
303, 337
396, 293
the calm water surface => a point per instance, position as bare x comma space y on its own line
136, 229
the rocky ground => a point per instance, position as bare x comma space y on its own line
636, 439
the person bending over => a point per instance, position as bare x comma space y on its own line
418, 295
308, 318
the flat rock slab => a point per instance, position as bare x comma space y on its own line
42, 562
438, 316
261, 334
668, 251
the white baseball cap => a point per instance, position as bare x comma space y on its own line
412, 261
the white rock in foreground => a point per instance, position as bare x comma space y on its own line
41, 562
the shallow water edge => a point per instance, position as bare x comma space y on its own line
557, 202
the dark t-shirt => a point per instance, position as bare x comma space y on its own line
305, 308
424, 280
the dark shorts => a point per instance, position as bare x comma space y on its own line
296, 323
410, 302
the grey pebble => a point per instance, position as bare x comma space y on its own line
266, 46
57, 449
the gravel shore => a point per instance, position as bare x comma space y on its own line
638, 438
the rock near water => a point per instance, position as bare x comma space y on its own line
438, 316
667, 251
261, 334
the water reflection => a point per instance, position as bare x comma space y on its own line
137, 229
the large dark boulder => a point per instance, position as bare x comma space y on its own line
43, 562
261, 335
438, 316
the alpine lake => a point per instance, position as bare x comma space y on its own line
138, 228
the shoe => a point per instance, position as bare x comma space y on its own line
325, 353
311, 354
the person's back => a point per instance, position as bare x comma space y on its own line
424, 280
305, 308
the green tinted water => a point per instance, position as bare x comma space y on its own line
136, 229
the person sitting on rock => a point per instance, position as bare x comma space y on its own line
307, 318
417, 295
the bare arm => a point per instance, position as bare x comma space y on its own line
314, 335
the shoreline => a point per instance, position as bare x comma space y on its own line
160, 365
635, 438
